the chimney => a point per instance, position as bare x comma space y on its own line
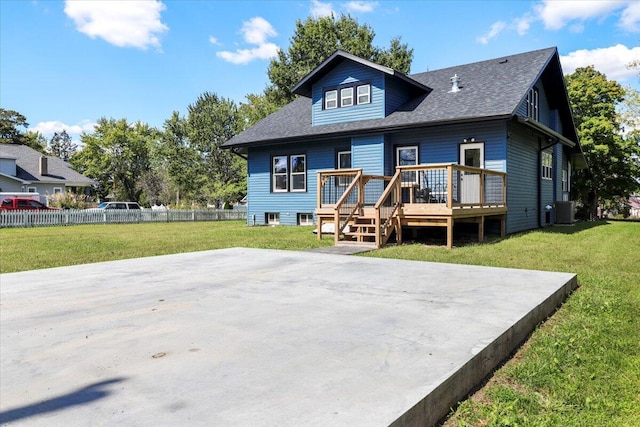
454, 84
44, 165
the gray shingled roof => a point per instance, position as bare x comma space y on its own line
28, 167
489, 89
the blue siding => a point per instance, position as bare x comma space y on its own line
396, 94
348, 72
442, 144
320, 156
522, 180
547, 117
367, 153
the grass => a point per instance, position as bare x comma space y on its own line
579, 368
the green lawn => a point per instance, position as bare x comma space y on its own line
579, 368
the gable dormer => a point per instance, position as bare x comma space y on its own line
346, 88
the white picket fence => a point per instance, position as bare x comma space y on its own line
114, 216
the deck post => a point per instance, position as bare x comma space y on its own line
449, 232
481, 229
319, 227
336, 227
449, 186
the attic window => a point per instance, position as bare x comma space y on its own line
330, 99
533, 104
350, 95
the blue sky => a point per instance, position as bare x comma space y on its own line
65, 64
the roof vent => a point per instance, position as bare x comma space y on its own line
454, 84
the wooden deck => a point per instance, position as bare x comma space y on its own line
369, 209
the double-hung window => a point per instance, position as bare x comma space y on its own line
547, 165
344, 162
289, 173
533, 104
364, 94
330, 99
346, 97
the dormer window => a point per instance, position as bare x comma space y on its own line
346, 97
533, 104
330, 99
350, 95
364, 94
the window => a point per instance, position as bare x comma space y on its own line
407, 156
298, 173
280, 173
330, 99
344, 162
272, 218
364, 94
305, 219
32, 190
346, 97
289, 173
547, 165
57, 190
533, 104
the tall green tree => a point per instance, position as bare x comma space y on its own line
211, 121
62, 146
612, 169
116, 155
13, 130
316, 39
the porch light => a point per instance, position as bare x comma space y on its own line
471, 139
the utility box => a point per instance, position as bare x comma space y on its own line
565, 212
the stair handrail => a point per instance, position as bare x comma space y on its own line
339, 226
393, 186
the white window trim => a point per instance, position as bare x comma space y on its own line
413, 177
472, 146
346, 93
344, 180
547, 165
32, 189
274, 175
273, 218
292, 173
533, 104
334, 100
367, 95
58, 190
308, 219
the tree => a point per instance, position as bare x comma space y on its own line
212, 121
316, 39
116, 155
10, 133
60, 145
255, 109
612, 169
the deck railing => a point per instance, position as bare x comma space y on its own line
386, 208
453, 185
17, 219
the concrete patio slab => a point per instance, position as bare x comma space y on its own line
258, 338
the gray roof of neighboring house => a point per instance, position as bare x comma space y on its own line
28, 167
489, 89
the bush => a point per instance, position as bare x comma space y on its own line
68, 200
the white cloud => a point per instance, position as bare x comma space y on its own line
495, 29
361, 6
630, 19
523, 24
51, 127
123, 24
319, 9
213, 40
611, 61
256, 31
558, 13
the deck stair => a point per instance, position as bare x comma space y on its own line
362, 229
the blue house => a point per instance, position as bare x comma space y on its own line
367, 152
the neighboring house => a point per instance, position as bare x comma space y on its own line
23, 169
634, 206
373, 151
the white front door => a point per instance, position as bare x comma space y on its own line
471, 155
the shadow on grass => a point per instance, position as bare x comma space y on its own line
79, 397
572, 228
